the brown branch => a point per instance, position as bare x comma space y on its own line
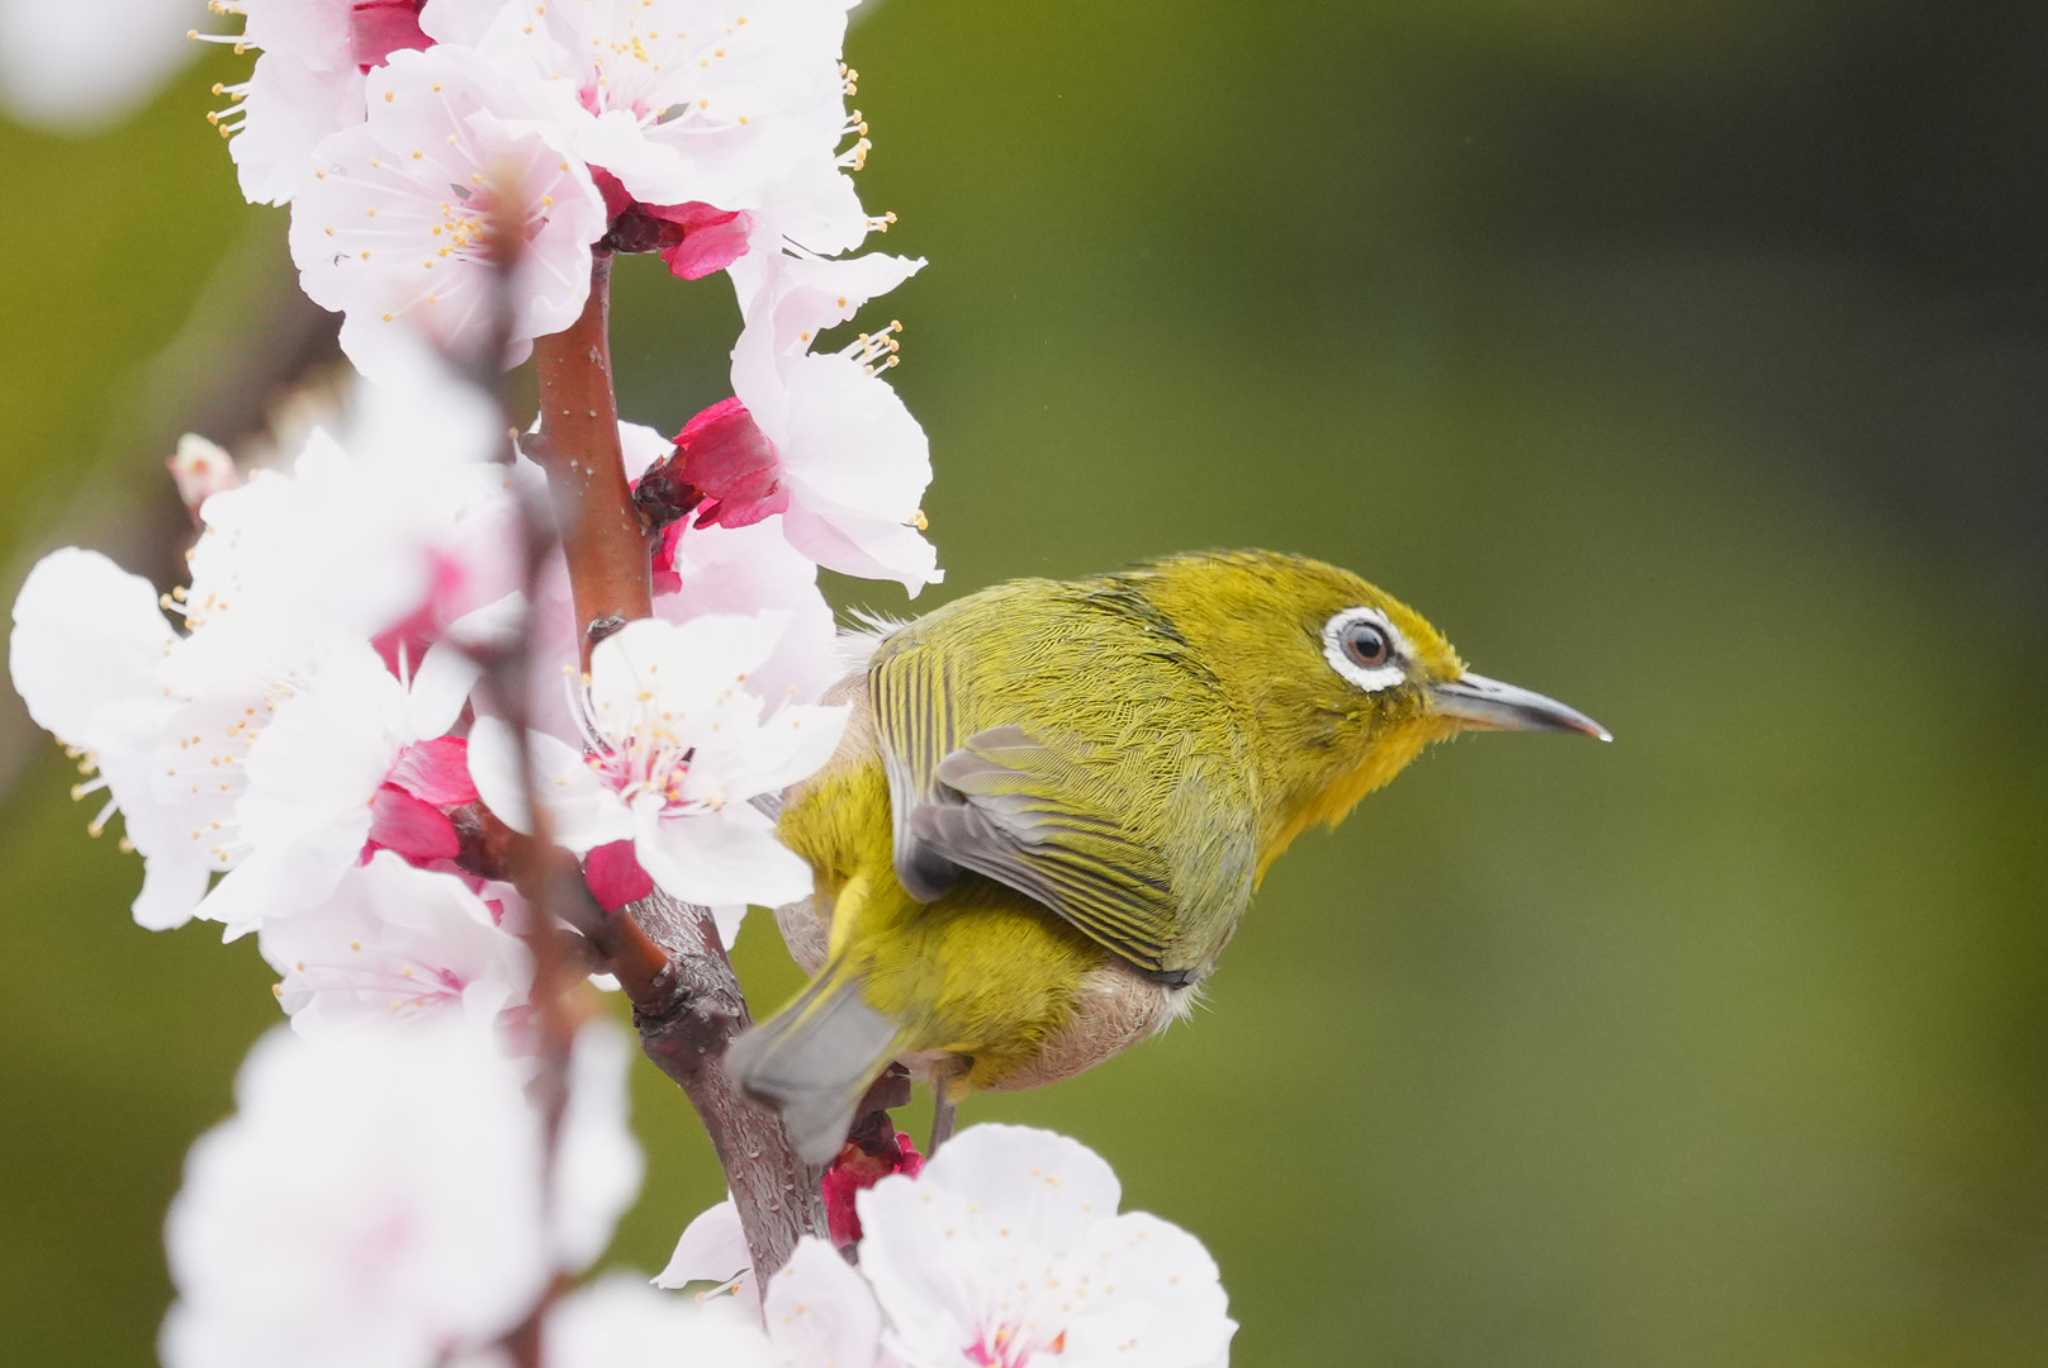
686, 1000
602, 534
702, 1008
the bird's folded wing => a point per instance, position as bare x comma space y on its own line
1036, 815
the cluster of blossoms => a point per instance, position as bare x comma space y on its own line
1006, 1251
305, 742
408, 138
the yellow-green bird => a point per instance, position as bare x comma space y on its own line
1055, 799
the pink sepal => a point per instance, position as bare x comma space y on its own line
614, 875
378, 28
418, 831
731, 462
435, 772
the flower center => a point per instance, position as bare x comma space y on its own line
641, 758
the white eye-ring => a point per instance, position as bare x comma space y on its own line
1365, 648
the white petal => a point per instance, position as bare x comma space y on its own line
440, 689
1168, 1307
86, 634
724, 857
713, 1248
653, 667
820, 1313
621, 1320
868, 547
598, 1164
494, 767
641, 446
172, 885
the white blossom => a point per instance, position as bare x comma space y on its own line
398, 229
674, 746
397, 942
620, 1320
378, 1198
82, 65
295, 571
713, 101
1007, 1249
391, 509
307, 82
820, 1313
314, 776
818, 1310
87, 645
854, 462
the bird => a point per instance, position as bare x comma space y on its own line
1053, 803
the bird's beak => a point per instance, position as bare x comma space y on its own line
1488, 705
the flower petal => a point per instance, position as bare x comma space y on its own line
724, 857
820, 1313
713, 1248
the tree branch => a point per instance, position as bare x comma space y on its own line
685, 1031
686, 999
602, 534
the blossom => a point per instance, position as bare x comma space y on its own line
379, 1198
87, 643
346, 759
682, 100
395, 941
390, 510
306, 84
621, 1320
854, 463
201, 469
85, 64
817, 440
1008, 1250
398, 228
819, 1312
293, 575
674, 748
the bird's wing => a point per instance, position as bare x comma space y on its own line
1031, 806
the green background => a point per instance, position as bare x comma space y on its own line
1686, 361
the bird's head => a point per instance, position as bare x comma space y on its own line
1341, 683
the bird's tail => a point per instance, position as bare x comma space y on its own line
815, 1059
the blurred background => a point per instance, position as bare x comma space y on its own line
1686, 361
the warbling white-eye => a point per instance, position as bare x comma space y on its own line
1054, 802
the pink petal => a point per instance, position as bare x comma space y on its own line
727, 457
617, 198
435, 772
614, 875
420, 629
379, 28
706, 247
416, 830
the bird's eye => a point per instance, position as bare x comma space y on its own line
1367, 645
